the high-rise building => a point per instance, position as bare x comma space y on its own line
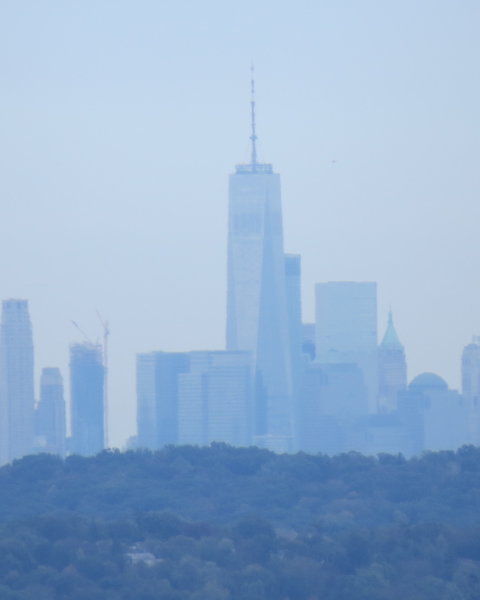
333, 397
471, 386
346, 329
194, 398
50, 413
157, 397
87, 386
392, 368
257, 313
294, 312
17, 402
215, 399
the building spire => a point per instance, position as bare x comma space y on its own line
390, 339
253, 136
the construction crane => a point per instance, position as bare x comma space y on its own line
81, 331
106, 333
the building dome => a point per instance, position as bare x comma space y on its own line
428, 381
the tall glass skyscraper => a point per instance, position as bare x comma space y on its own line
16, 381
257, 316
87, 381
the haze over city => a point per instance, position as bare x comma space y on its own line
120, 124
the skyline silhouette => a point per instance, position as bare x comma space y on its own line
120, 127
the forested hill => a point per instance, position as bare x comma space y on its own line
220, 523
221, 484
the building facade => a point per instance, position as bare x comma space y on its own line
50, 413
392, 368
87, 396
333, 398
17, 403
346, 329
195, 398
471, 387
216, 399
157, 397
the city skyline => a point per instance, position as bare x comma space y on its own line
377, 152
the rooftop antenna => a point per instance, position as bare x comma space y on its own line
253, 137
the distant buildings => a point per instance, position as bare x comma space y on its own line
87, 381
441, 412
215, 399
195, 398
332, 398
279, 384
50, 414
16, 382
346, 329
157, 397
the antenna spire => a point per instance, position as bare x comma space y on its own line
253, 136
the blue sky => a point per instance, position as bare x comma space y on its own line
120, 122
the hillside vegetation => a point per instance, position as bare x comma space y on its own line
222, 523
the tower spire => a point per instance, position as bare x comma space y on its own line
253, 136
390, 339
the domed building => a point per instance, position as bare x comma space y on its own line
428, 381
436, 416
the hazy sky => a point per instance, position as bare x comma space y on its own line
121, 120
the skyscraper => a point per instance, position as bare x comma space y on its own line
157, 397
294, 311
50, 414
392, 368
194, 398
346, 329
257, 314
333, 397
16, 381
471, 386
87, 380
215, 399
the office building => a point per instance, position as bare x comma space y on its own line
157, 397
471, 387
437, 416
17, 403
294, 312
392, 368
333, 397
215, 399
87, 387
50, 413
346, 329
257, 312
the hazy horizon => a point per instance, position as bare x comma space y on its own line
121, 122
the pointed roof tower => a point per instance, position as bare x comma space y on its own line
391, 340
